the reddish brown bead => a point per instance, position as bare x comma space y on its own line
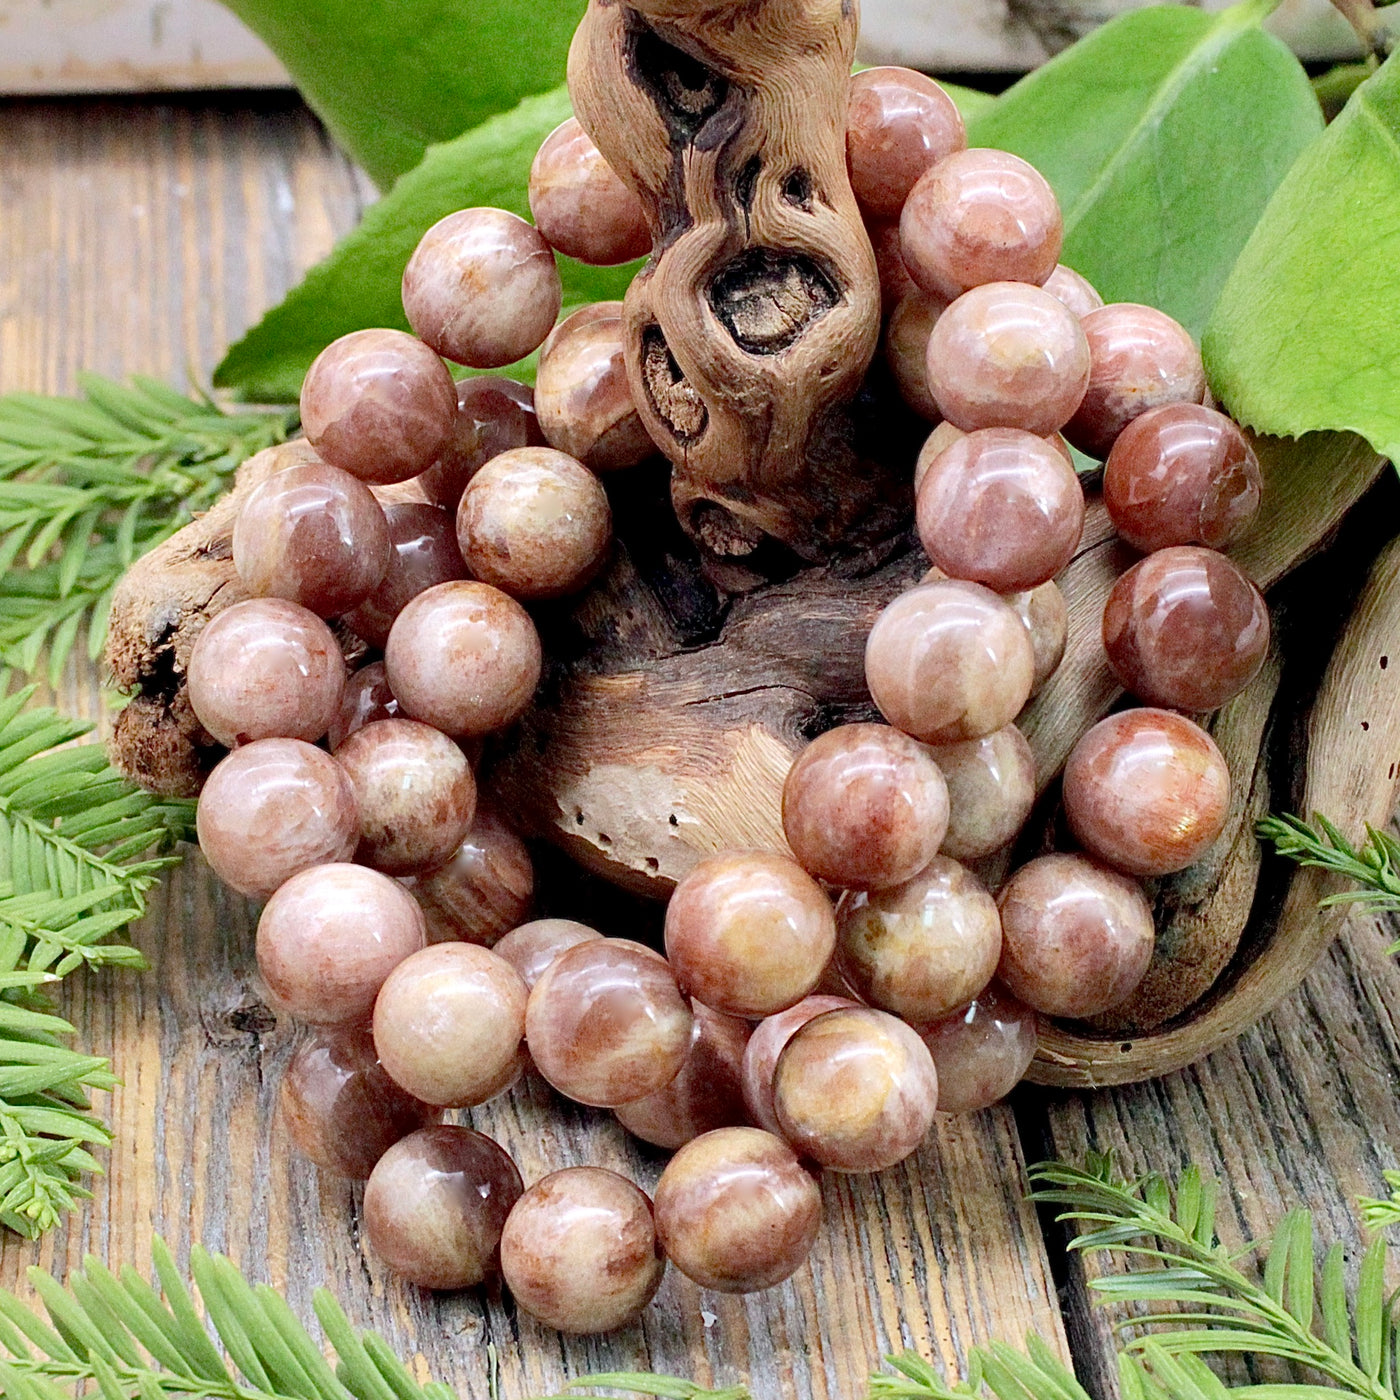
482, 288
749, 932
1186, 628
340, 1108
416, 794
436, 1204
314, 535
531, 948
1001, 507
864, 807
366, 698
423, 541
767, 1043
1046, 616
493, 416
923, 948
949, 661
855, 1090
898, 125
906, 349
579, 1251
273, 808
535, 523
378, 404
982, 1050
1147, 791
1006, 355
1139, 359
464, 657
606, 1023
991, 790
484, 891
736, 1211
980, 216
1076, 936
448, 1024
266, 669
1077, 293
708, 1092
330, 936
1181, 474
895, 281
581, 392
579, 204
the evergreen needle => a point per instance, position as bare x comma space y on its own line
1374, 866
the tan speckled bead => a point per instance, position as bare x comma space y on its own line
767, 1042
424, 554
330, 936
949, 661
749, 932
736, 1211
895, 281
924, 948
464, 657
494, 414
1046, 615
448, 1024
606, 1023
906, 349
531, 948
1076, 292
1076, 936
273, 808
581, 392
535, 523
436, 1204
938, 441
855, 1090
1147, 791
982, 1050
991, 790
339, 1107
579, 1251
366, 698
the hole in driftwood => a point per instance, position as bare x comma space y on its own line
722, 532
797, 188
673, 397
686, 91
766, 299
746, 180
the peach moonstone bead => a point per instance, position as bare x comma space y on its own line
907, 335
991, 790
531, 948
366, 698
494, 414
1073, 289
982, 1050
769, 1039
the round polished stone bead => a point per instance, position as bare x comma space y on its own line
329, 937
895, 281
749, 932
907, 335
736, 1211
365, 699
340, 1108
378, 404
1006, 355
464, 657
991, 790
483, 891
531, 947
982, 1050
1147, 791
1076, 936
855, 1090
579, 1251
482, 289
416, 795
937, 442
493, 416
314, 535
1046, 615
535, 523
899, 124
949, 661
980, 216
1139, 359
607, 1024
708, 1092
1181, 474
1077, 293
448, 1024
769, 1039
582, 395
1001, 507
580, 205
435, 1206
1186, 628
423, 541
923, 948
273, 808
864, 807
266, 669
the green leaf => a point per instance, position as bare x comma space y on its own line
359, 284
1304, 335
392, 80
1164, 133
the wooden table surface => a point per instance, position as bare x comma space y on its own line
140, 237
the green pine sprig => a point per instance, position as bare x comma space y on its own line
1374, 866
88, 485
650, 1384
1035, 1374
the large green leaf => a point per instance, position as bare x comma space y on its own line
358, 285
1164, 133
1307, 332
389, 80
